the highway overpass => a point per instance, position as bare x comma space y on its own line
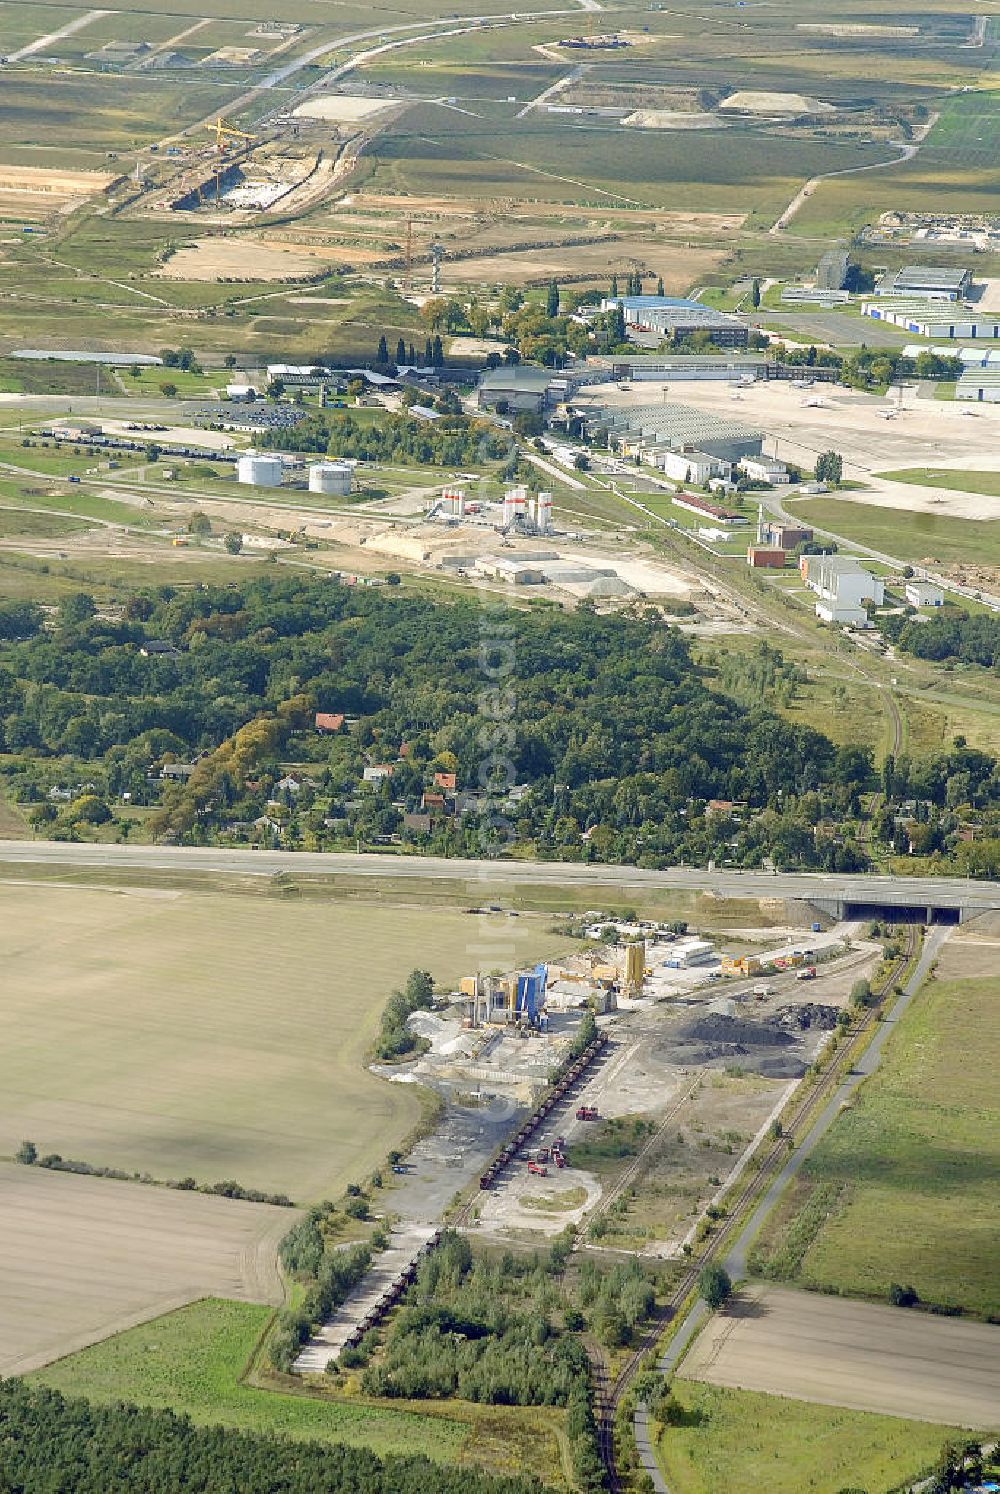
919, 899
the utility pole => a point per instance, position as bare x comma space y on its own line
408, 256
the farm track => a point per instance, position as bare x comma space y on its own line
608, 1393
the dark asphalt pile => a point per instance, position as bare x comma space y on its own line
773, 1047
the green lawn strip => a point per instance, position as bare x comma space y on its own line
62, 460
191, 1361
79, 501
736, 1440
20, 523
909, 536
957, 482
913, 1162
188, 385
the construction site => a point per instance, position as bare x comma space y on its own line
703, 1040
621, 1089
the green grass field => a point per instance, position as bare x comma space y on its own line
217, 1036
193, 1361
735, 1440
907, 1176
968, 130
17, 523
922, 536
957, 482
713, 171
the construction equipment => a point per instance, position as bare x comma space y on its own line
538, 1170
224, 133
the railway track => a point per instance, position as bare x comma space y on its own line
608, 1392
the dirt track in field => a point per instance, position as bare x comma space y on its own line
82, 1258
854, 1354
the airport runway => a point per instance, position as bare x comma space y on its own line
486, 879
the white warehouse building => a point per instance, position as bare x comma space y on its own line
934, 318
689, 465
842, 587
923, 594
980, 384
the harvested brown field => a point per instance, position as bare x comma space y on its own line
678, 265
854, 1354
82, 1258
664, 222
256, 259
36, 191
214, 1035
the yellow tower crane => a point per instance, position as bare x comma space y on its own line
224, 133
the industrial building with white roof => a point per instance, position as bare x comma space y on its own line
676, 427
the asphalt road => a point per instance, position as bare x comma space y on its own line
488, 877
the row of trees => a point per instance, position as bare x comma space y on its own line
431, 357
457, 441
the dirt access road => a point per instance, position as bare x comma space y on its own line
854, 1354
83, 1258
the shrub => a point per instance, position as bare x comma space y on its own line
715, 1285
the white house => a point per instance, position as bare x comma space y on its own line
923, 594
377, 772
690, 466
764, 469
841, 581
843, 614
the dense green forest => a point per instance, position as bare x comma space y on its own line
49, 1443
453, 441
950, 634
603, 740
507, 1330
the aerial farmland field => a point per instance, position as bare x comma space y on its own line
902, 1189
213, 1035
87, 1257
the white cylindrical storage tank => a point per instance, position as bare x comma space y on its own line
332, 478
458, 503
508, 508
543, 513
259, 471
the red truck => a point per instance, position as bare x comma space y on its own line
808, 974
538, 1169
559, 1159
588, 1113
